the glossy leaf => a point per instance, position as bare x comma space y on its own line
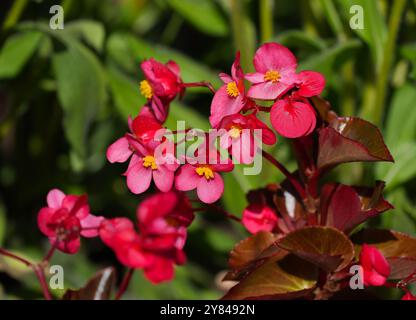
344, 207
278, 278
326, 247
398, 248
350, 139
99, 287
92, 32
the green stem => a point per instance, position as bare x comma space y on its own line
389, 49
333, 19
266, 20
240, 33
14, 13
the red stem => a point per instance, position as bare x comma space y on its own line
36, 268
200, 84
217, 208
124, 284
287, 174
49, 254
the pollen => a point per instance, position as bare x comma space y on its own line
272, 75
146, 89
234, 132
232, 89
149, 161
205, 171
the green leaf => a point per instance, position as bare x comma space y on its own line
92, 32
125, 94
81, 86
128, 51
202, 14
403, 169
374, 32
16, 51
301, 39
402, 116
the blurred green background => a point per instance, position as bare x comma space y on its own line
65, 96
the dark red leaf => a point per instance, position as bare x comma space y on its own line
278, 277
99, 287
326, 247
398, 248
350, 139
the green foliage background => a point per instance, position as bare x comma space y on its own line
65, 96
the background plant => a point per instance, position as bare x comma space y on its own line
64, 96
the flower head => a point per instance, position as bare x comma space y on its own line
240, 134
259, 217
65, 219
293, 118
158, 245
376, 269
230, 98
275, 72
409, 296
162, 84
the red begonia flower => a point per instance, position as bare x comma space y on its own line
150, 158
163, 83
230, 98
275, 72
376, 269
240, 134
159, 244
292, 118
259, 217
409, 296
65, 219
202, 173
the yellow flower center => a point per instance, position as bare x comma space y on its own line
235, 131
149, 161
205, 171
272, 75
146, 89
232, 89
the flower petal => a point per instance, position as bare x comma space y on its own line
312, 84
55, 198
210, 190
92, 223
139, 178
223, 105
273, 56
186, 179
119, 151
268, 90
163, 178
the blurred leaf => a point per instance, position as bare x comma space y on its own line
277, 278
202, 14
125, 93
408, 51
326, 247
99, 287
403, 168
301, 39
92, 32
16, 51
129, 51
81, 91
350, 139
402, 116
374, 32
2, 222
331, 59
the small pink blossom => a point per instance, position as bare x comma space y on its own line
376, 269
259, 217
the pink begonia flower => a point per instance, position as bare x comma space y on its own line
308, 84
150, 158
239, 136
292, 118
275, 72
202, 173
163, 83
376, 269
65, 219
230, 98
162, 220
259, 217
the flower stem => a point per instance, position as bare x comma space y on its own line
36, 268
14, 13
216, 208
49, 254
124, 284
389, 49
295, 183
266, 20
200, 84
